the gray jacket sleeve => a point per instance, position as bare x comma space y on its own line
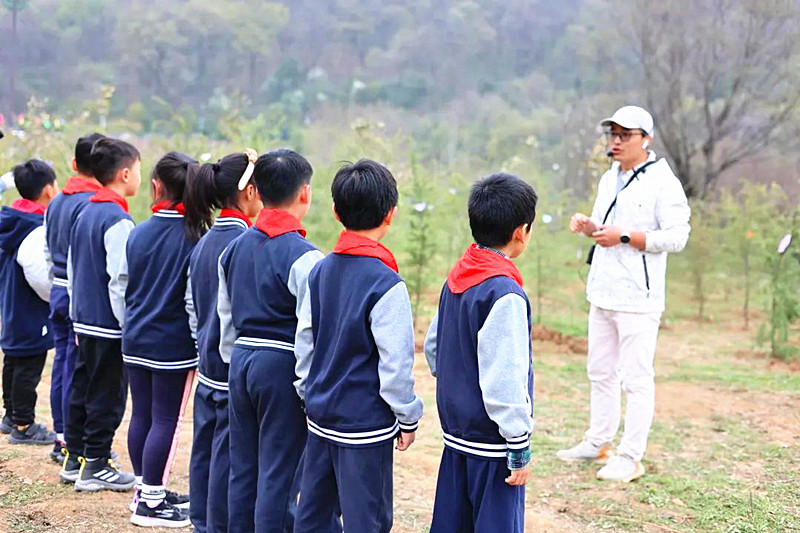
31, 258
48, 257
503, 365
188, 303
392, 328
303, 343
430, 344
227, 331
304, 336
116, 240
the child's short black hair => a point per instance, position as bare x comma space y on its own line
280, 174
499, 204
109, 156
83, 153
32, 177
363, 193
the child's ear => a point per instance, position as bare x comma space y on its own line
74, 165
521, 233
335, 214
305, 194
390, 216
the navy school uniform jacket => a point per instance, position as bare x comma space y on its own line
355, 347
262, 280
24, 284
158, 299
97, 269
478, 347
59, 219
204, 278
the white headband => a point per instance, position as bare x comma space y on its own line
252, 155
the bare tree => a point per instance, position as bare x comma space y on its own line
720, 77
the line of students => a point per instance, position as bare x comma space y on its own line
305, 361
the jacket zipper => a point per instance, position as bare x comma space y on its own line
646, 275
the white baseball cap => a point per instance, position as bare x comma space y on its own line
631, 117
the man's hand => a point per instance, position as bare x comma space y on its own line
580, 223
405, 440
607, 236
518, 477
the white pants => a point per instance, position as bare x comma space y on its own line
622, 348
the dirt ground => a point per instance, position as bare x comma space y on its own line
32, 499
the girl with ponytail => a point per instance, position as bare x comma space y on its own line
225, 185
158, 347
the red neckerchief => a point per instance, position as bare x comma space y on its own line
476, 266
275, 222
350, 243
166, 204
78, 184
107, 195
28, 206
233, 213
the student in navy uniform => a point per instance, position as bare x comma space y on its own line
157, 342
58, 221
222, 185
97, 274
262, 279
24, 295
355, 352
478, 347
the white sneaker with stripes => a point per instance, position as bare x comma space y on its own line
103, 474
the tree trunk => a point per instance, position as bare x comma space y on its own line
12, 81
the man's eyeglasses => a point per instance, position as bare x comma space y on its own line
624, 136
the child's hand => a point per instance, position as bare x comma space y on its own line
405, 440
518, 477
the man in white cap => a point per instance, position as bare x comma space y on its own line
640, 214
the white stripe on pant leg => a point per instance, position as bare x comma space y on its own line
605, 404
638, 338
187, 393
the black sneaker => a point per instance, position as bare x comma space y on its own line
70, 468
181, 501
57, 453
33, 434
6, 426
164, 515
103, 474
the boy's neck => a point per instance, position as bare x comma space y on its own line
507, 250
88, 178
296, 210
116, 186
374, 234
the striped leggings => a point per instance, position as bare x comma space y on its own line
159, 402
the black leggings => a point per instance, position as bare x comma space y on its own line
21, 375
159, 401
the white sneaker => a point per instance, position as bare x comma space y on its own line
585, 451
621, 468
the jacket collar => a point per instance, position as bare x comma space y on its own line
107, 195
235, 213
28, 206
77, 184
350, 243
477, 265
275, 222
165, 205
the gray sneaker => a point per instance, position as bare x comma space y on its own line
585, 451
621, 468
103, 474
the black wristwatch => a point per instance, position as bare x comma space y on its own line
625, 238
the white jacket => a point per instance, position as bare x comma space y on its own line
621, 277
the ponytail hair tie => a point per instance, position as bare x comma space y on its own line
215, 167
252, 156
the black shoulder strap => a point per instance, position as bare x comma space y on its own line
638, 171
